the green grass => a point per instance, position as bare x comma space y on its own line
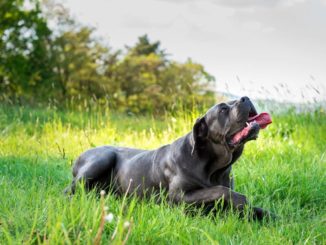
283, 171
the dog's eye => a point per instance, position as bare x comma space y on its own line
223, 109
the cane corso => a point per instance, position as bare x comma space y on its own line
194, 169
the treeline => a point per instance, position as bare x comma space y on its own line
69, 64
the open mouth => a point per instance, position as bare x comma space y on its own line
254, 123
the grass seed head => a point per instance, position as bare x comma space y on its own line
126, 224
109, 217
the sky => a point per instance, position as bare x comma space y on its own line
265, 49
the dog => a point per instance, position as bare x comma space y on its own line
194, 169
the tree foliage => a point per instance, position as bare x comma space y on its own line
68, 63
25, 63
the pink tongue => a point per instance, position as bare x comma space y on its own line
263, 119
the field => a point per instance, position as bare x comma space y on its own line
283, 171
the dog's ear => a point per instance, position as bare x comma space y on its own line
200, 132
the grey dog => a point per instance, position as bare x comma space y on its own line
194, 169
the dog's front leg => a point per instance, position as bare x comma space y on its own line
208, 196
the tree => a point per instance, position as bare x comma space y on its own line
78, 63
187, 83
148, 81
24, 44
145, 47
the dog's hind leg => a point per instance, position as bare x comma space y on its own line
94, 168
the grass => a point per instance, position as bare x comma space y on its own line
283, 171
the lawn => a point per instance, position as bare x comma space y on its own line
284, 170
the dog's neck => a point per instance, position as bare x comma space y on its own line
208, 158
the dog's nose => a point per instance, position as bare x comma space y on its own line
244, 99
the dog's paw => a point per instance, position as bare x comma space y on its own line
262, 215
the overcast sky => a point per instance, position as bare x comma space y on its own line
249, 46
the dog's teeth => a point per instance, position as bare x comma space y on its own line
247, 123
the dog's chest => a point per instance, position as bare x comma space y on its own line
220, 160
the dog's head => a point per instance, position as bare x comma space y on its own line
230, 124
